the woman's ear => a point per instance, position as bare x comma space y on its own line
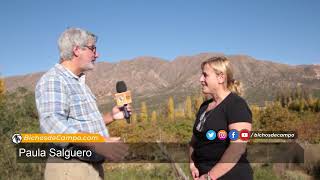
221, 78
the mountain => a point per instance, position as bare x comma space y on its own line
153, 79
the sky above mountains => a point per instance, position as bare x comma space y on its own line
286, 31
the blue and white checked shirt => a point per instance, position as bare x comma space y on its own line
66, 104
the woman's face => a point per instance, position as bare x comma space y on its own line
209, 80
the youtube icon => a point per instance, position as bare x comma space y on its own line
244, 135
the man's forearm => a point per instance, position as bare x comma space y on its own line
108, 118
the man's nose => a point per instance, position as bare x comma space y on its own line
96, 55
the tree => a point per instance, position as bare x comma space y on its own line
274, 117
188, 108
198, 102
256, 113
170, 109
133, 118
302, 105
154, 116
143, 112
2, 87
317, 106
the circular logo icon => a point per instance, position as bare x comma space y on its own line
222, 135
244, 135
16, 138
211, 135
233, 134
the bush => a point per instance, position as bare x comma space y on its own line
18, 114
275, 117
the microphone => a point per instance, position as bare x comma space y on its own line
123, 98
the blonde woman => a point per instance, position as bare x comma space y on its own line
212, 154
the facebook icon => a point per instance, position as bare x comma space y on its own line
233, 135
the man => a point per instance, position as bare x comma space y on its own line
66, 105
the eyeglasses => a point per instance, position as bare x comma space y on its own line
93, 48
203, 119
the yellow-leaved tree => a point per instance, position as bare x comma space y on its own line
170, 109
154, 116
2, 86
188, 108
143, 112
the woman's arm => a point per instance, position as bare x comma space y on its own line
193, 168
232, 154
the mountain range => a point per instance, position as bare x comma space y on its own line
153, 79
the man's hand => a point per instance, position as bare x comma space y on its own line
115, 114
118, 114
194, 171
113, 149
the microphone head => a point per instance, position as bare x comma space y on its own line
121, 87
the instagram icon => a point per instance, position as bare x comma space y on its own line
222, 135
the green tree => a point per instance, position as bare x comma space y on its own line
274, 117
256, 113
18, 114
317, 106
143, 112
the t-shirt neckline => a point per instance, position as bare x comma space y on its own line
218, 106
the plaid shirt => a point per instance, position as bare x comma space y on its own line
66, 104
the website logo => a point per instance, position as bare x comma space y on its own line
16, 138
233, 134
222, 135
211, 135
244, 135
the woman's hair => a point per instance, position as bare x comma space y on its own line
73, 37
221, 64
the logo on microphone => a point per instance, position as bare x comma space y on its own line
222, 135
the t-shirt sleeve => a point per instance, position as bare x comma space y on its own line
239, 111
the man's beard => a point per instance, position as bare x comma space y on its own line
88, 66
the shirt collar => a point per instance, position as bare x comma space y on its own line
70, 74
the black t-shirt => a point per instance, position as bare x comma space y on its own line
207, 153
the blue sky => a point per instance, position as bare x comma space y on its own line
286, 31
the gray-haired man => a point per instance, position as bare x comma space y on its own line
66, 105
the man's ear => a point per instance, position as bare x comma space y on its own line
76, 51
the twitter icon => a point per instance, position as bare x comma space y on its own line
211, 135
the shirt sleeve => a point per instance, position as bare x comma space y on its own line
53, 106
239, 111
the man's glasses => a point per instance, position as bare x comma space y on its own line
93, 48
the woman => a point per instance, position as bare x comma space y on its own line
218, 158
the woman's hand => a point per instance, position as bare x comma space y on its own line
194, 171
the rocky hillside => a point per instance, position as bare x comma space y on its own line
155, 78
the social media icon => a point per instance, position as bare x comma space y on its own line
222, 135
233, 134
211, 135
244, 135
